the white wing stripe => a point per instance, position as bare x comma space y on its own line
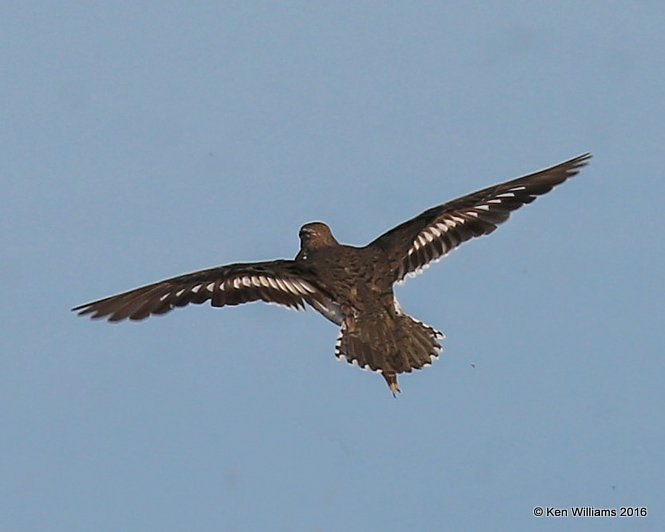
289, 287
307, 287
296, 286
282, 284
301, 286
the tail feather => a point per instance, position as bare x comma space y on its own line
388, 344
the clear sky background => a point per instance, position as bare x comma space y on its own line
144, 140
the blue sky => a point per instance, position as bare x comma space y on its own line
141, 141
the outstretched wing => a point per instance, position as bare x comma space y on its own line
281, 281
415, 244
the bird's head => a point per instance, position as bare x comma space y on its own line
316, 235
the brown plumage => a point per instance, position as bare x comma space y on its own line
351, 286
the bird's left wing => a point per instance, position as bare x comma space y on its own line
415, 244
281, 281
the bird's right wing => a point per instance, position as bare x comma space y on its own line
415, 244
281, 281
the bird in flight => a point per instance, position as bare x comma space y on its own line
351, 286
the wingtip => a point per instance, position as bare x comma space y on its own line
582, 159
87, 311
80, 310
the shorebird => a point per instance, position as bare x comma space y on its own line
351, 286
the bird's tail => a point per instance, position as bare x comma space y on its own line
388, 344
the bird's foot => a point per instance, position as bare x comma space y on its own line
391, 379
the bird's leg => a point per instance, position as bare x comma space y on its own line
391, 379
